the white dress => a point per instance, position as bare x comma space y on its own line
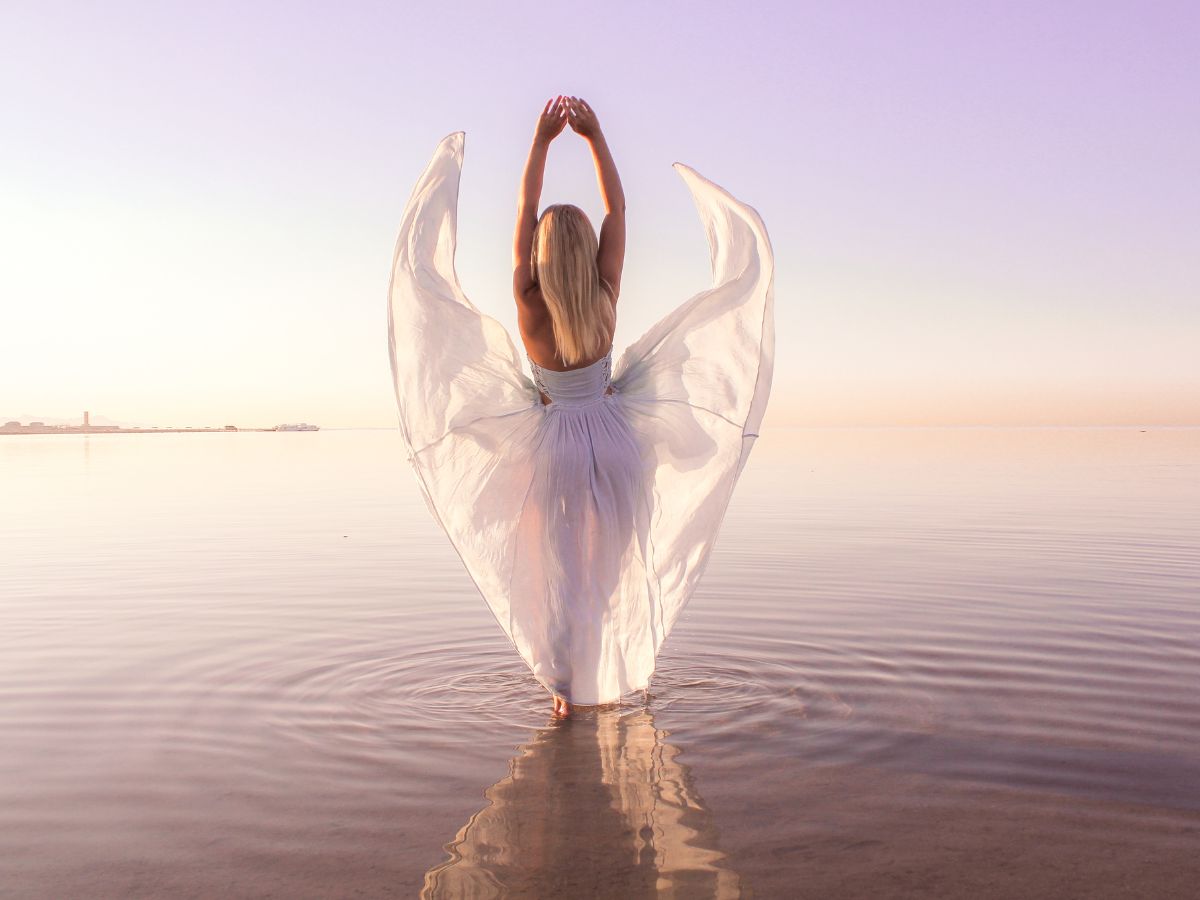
585, 523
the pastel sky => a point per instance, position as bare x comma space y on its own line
982, 212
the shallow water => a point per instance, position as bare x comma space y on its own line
922, 662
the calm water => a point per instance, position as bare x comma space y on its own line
922, 662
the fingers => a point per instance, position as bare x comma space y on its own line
578, 107
552, 120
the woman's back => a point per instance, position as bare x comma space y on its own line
537, 333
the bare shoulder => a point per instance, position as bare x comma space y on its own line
533, 320
526, 292
531, 307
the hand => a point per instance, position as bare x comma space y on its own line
582, 118
552, 120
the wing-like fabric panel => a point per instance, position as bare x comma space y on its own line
451, 364
695, 389
469, 415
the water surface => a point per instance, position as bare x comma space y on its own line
922, 662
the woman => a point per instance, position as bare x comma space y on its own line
583, 502
566, 283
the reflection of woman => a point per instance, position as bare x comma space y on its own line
583, 502
599, 805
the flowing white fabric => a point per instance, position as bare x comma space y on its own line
585, 523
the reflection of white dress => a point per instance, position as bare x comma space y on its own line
585, 523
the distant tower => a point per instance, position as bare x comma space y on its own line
86, 423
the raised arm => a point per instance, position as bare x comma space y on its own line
610, 259
550, 124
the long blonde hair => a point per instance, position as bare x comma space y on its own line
564, 268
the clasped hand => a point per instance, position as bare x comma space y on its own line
561, 110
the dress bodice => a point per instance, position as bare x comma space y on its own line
575, 387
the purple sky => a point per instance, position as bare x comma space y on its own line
982, 212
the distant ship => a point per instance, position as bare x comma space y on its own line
303, 426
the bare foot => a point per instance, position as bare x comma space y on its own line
561, 706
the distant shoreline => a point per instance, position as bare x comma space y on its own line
113, 429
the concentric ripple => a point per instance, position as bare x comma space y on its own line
364, 692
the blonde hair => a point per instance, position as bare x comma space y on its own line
564, 268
